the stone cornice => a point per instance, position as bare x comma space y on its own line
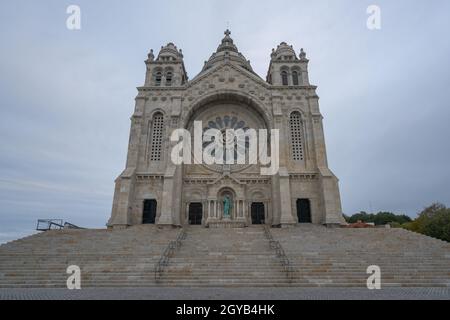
307, 87
164, 62
158, 88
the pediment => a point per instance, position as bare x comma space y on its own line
226, 179
230, 76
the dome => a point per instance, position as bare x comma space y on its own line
170, 52
283, 50
227, 43
227, 50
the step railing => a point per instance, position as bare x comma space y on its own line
168, 252
49, 224
281, 255
54, 224
68, 225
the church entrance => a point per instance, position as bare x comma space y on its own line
195, 213
149, 214
304, 211
257, 212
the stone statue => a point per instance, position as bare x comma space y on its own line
226, 207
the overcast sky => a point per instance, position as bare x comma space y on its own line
66, 96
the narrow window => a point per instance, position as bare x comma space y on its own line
168, 79
284, 78
295, 78
158, 78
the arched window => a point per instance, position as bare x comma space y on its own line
295, 78
295, 123
284, 78
168, 78
156, 137
158, 78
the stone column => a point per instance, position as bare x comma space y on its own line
186, 215
245, 209
331, 199
286, 217
205, 211
239, 209
209, 208
270, 211
212, 209
124, 192
329, 186
170, 196
123, 198
219, 212
265, 212
319, 139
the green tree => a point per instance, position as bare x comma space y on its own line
433, 221
381, 218
439, 226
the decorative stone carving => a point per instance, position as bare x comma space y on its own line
226, 90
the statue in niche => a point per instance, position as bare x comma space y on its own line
226, 207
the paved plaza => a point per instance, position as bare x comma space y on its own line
228, 294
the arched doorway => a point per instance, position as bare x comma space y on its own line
149, 212
257, 213
195, 213
304, 211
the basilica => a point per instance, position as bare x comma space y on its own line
226, 94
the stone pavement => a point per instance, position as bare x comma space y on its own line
164, 293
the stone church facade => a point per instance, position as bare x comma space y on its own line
226, 94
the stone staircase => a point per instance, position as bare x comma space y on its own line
340, 257
225, 257
107, 258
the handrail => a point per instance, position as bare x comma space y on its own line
49, 224
284, 260
54, 224
68, 225
167, 253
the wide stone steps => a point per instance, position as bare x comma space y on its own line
224, 257
233, 257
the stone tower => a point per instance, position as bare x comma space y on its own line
286, 68
168, 68
226, 94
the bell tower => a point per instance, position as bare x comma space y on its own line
286, 69
167, 70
